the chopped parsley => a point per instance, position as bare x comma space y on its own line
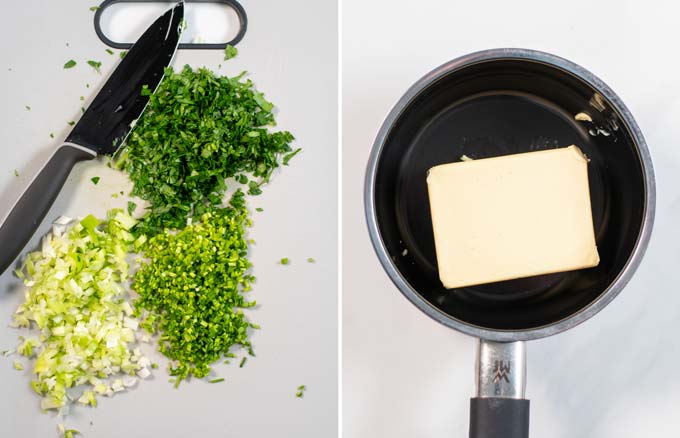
288, 157
95, 180
311, 260
230, 52
95, 65
300, 391
16, 172
285, 261
70, 64
122, 54
94, 8
216, 380
243, 362
131, 206
109, 51
197, 131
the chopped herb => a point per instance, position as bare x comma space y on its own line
243, 362
114, 195
71, 123
51, 134
311, 260
287, 157
131, 207
87, 85
300, 391
216, 380
82, 98
95, 65
95, 180
109, 51
145, 90
230, 52
70, 433
191, 289
171, 154
254, 188
154, 366
94, 8
259, 209
18, 366
70, 64
82, 109
122, 54
285, 261
16, 172
28, 108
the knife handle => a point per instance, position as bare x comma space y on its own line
29, 211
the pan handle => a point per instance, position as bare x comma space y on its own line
500, 410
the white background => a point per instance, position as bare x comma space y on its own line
615, 375
293, 59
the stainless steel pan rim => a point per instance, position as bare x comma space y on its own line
614, 288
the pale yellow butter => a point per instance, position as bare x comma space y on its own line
511, 217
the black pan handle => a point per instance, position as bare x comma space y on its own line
25, 216
495, 417
500, 410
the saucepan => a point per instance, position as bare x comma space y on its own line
493, 103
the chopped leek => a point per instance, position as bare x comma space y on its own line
75, 299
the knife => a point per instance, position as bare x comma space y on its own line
101, 129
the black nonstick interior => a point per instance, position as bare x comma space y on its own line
494, 108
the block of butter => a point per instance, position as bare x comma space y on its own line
512, 216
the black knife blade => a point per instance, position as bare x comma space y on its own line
101, 129
106, 122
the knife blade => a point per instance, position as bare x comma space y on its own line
106, 122
101, 130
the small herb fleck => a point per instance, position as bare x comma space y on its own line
243, 362
95, 65
285, 261
18, 366
28, 108
230, 52
70, 433
300, 391
288, 157
51, 134
311, 260
70, 64
259, 209
109, 51
131, 207
216, 380
122, 54
95, 180
94, 8
82, 97
16, 172
154, 366
71, 123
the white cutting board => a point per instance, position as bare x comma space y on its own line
294, 61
